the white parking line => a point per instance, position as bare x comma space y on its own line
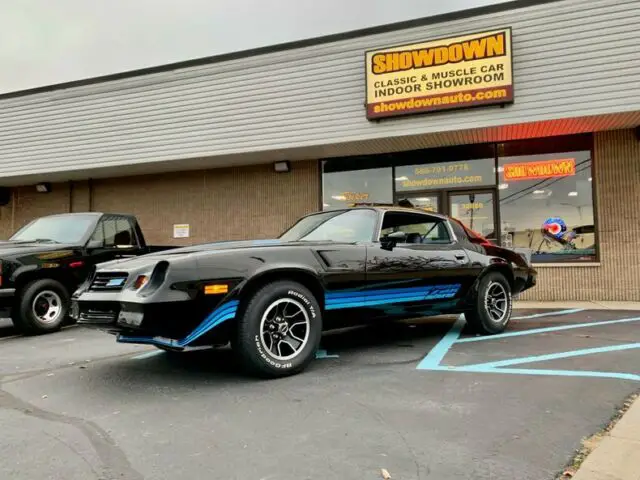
145, 355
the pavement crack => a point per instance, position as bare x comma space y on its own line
116, 465
77, 453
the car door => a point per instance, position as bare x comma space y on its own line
426, 269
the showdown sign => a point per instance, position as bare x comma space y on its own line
443, 74
544, 169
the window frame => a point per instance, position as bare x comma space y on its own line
453, 240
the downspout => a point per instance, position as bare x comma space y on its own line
13, 210
70, 196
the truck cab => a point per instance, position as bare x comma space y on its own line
46, 260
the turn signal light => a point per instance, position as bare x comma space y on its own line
140, 282
216, 289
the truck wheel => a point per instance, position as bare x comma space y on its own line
493, 305
279, 330
42, 307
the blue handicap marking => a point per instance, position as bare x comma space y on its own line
320, 354
433, 360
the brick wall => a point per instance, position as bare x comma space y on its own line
26, 204
220, 204
616, 173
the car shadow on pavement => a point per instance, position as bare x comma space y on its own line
6, 328
388, 342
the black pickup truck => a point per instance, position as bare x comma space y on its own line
45, 261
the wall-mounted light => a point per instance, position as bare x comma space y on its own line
43, 187
282, 166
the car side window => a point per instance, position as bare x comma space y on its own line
418, 228
115, 232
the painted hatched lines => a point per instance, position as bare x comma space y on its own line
433, 360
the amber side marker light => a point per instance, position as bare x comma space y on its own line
141, 281
216, 289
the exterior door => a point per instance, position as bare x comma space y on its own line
421, 272
477, 210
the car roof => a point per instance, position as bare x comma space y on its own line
381, 210
87, 214
389, 208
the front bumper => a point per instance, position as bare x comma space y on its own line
7, 296
175, 325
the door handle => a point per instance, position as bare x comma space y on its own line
460, 256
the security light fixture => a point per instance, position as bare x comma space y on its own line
282, 166
43, 187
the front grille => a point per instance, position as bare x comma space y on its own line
108, 281
99, 317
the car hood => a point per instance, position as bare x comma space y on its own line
194, 250
14, 249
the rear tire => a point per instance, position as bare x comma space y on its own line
42, 307
493, 305
279, 331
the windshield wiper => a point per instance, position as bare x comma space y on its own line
44, 240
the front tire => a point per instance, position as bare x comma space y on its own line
279, 331
493, 305
42, 307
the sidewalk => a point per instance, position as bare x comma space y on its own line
632, 306
617, 456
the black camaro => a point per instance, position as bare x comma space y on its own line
271, 299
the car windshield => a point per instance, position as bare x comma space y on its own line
59, 229
334, 226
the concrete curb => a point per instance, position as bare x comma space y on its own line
617, 456
524, 304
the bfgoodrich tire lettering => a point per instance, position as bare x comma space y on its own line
279, 330
493, 305
42, 307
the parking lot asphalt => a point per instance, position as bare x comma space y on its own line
421, 400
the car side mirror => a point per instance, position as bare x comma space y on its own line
388, 242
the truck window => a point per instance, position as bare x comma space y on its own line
115, 231
69, 229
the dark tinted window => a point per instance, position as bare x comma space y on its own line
115, 231
418, 228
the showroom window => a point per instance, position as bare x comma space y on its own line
546, 204
535, 195
346, 183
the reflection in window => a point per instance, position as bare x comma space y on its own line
546, 205
342, 189
334, 226
464, 173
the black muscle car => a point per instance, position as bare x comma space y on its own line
271, 299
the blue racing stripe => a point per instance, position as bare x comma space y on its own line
372, 302
355, 299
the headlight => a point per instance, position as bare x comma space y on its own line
140, 282
146, 285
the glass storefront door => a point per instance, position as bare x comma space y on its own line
476, 209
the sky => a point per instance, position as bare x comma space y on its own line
44, 42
